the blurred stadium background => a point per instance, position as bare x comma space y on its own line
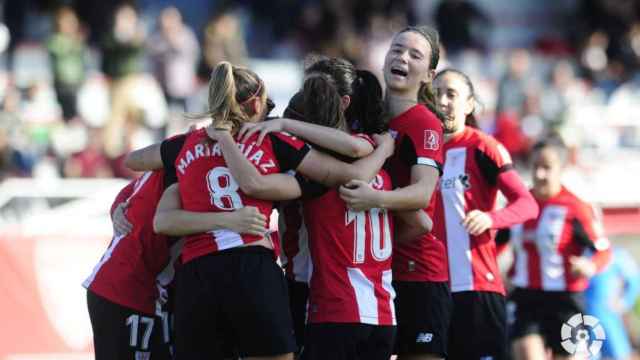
83, 82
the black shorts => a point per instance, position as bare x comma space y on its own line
123, 333
238, 297
423, 311
478, 326
543, 313
335, 341
298, 296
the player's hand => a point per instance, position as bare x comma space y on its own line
359, 195
121, 226
263, 128
476, 222
215, 133
163, 294
582, 266
384, 141
247, 220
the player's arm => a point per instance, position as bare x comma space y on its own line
588, 232
322, 136
313, 164
361, 196
171, 219
330, 171
121, 225
145, 159
156, 156
410, 225
276, 187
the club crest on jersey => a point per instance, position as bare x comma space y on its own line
431, 140
377, 182
393, 133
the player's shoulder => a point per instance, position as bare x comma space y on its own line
287, 138
488, 144
575, 202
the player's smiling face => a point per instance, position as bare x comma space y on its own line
406, 65
454, 100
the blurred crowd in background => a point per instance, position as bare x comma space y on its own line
83, 82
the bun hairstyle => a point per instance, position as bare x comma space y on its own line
426, 96
470, 120
328, 79
230, 89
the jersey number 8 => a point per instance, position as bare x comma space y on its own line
223, 189
380, 243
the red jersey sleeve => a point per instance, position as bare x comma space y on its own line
425, 134
493, 158
122, 196
588, 231
521, 206
289, 150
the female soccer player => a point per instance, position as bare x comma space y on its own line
351, 298
127, 287
420, 269
476, 166
555, 255
227, 275
423, 303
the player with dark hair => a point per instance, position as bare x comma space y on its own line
555, 255
226, 275
476, 167
127, 293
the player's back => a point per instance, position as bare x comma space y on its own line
127, 271
351, 254
206, 185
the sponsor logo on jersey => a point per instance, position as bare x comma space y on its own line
431, 140
450, 183
424, 338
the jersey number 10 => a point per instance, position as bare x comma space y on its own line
380, 243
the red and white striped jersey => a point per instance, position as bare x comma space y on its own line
134, 263
473, 161
566, 227
295, 241
206, 184
418, 140
351, 254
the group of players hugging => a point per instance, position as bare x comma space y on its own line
389, 230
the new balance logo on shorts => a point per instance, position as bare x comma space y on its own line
143, 355
424, 338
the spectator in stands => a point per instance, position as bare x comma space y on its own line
90, 162
462, 25
513, 85
123, 47
224, 40
174, 52
67, 53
